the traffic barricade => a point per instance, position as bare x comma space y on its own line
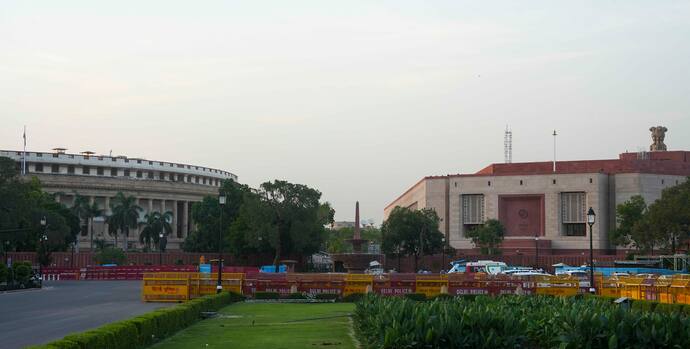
165, 287
331, 283
467, 284
431, 285
358, 283
395, 284
558, 286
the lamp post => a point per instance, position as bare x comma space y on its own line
536, 257
43, 238
591, 218
219, 285
443, 253
160, 248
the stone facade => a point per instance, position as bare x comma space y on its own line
158, 187
530, 199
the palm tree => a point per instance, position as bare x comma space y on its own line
125, 215
80, 208
92, 211
156, 223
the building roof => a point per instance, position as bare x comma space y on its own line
676, 163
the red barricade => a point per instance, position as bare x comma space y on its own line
395, 284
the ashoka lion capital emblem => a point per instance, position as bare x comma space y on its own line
658, 135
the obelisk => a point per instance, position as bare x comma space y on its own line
357, 232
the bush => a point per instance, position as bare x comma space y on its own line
296, 296
110, 255
353, 297
327, 296
22, 272
419, 297
144, 330
643, 305
266, 295
443, 297
4, 273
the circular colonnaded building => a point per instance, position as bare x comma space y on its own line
158, 186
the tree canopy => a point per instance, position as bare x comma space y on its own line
488, 236
22, 205
409, 232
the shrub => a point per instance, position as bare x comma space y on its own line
353, 297
22, 272
3, 273
419, 297
443, 297
296, 296
643, 305
110, 255
266, 295
146, 329
327, 296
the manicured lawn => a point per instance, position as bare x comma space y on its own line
270, 325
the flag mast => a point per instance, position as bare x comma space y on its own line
24, 155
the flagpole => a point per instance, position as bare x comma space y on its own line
24, 156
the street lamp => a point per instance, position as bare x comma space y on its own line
591, 218
443, 253
160, 248
219, 285
42, 239
536, 245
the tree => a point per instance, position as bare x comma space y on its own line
206, 214
409, 232
669, 217
288, 217
125, 215
86, 211
156, 223
488, 236
629, 214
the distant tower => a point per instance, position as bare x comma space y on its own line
508, 146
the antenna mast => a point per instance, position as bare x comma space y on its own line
508, 146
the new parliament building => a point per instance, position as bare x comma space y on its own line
545, 203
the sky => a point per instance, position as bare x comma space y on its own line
358, 99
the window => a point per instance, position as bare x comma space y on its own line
55, 168
150, 175
150, 162
573, 213
489, 183
38, 167
126, 173
113, 172
473, 209
113, 159
590, 181
138, 161
180, 178
71, 156
85, 170
575, 229
196, 179
521, 182
126, 160
39, 155
456, 184
139, 174
99, 171
55, 155
662, 181
171, 176
100, 157
189, 179
204, 180
162, 164
70, 169
554, 181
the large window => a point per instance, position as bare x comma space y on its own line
55, 168
473, 209
38, 167
573, 213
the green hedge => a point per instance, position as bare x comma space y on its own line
419, 297
327, 296
266, 295
146, 329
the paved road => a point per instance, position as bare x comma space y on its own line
64, 307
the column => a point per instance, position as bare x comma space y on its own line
185, 219
150, 206
162, 206
106, 212
174, 221
57, 198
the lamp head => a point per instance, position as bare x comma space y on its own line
591, 216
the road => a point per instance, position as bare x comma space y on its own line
64, 307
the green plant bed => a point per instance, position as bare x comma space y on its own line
144, 330
517, 321
266, 295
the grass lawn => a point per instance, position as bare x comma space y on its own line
270, 325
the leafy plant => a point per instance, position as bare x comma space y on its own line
110, 255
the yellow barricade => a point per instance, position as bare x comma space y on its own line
165, 287
558, 286
431, 285
358, 283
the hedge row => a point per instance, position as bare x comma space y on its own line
146, 329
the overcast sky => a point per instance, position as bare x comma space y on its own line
359, 100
